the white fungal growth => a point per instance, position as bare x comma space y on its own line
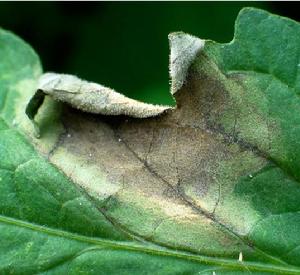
94, 98
184, 48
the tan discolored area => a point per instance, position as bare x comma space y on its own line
132, 192
174, 174
165, 174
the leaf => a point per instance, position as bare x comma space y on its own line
185, 192
87, 96
94, 98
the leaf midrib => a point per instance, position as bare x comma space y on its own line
154, 250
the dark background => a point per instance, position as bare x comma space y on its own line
122, 45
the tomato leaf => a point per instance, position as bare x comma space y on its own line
211, 186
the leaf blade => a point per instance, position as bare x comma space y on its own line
142, 185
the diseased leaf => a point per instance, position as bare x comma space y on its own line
190, 191
89, 97
94, 98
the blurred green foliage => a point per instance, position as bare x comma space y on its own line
120, 45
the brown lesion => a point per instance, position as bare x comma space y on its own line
186, 133
125, 147
161, 158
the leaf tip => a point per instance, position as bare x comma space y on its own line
184, 48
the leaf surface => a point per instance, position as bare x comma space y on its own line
184, 192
